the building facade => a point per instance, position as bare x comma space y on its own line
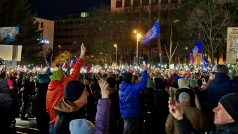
47, 40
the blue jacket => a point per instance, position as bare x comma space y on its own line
129, 94
218, 87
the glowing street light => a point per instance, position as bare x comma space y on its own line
115, 45
138, 37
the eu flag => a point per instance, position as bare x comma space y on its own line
152, 33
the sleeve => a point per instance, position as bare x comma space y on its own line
10, 84
102, 116
184, 126
75, 74
169, 125
143, 82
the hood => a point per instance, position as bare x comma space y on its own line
69, 107
221, 77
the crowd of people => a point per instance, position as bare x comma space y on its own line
131, 102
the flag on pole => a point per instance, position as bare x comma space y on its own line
152, 33
196, 51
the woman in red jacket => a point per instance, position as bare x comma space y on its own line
55, 89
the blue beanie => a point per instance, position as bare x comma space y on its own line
73, 90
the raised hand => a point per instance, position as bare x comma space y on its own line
104, 88
83, 51
175, 109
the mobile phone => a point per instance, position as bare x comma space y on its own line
171, 93
98, 77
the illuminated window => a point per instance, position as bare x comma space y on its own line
84, 14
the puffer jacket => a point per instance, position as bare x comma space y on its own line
55, 90
129, 95
217, 88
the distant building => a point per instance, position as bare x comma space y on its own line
71, 31
47, 40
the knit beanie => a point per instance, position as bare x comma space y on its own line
57, 75
42, 78
127, 77
160, 83
73, 90
222, 69
82, 126
183, 83
230, 103
184, 97
112, 82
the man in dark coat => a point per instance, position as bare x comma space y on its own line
220, 86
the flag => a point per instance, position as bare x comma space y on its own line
73, 62
152, 33
196, 51
205, 61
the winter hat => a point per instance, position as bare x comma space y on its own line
160, 83
222, 69
183, 83
229, 102
42, 78
184, 97
81, 126
57, 75
112, 82
127, 77
150, 84
73, 90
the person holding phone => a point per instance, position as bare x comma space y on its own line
129, 100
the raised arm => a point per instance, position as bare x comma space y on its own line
75, 74
143, 82
103, 109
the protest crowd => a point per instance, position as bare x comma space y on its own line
142, 100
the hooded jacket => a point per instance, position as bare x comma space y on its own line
55, 90
217, 88
129, 97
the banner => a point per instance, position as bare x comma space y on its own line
232, 45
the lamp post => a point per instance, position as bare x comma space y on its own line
115, 45
138, 37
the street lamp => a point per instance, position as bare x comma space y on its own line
138, 37
115, 45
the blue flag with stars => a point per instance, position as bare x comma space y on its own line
152, 33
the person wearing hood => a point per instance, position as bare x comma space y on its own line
56, 86
71, 115
226, 117
42, 117
220, 86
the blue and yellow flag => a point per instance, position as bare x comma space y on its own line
196, 51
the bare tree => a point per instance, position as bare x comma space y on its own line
170, 53
210, 21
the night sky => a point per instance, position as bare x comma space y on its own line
51, 9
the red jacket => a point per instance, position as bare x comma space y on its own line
55, 90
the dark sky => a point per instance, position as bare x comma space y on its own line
50, 9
